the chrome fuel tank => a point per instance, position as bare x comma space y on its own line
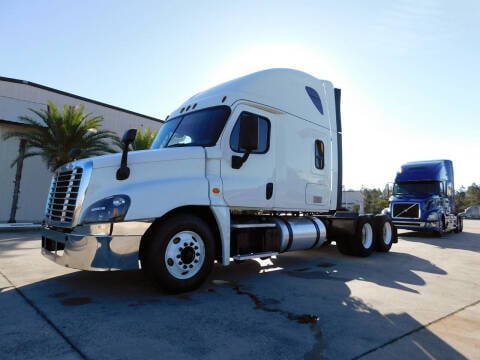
300, 233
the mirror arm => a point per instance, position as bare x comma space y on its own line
123, 171
237, 161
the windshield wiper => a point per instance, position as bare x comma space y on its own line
177, 145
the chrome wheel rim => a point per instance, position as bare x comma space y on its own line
367, 236
387, 233
185, 254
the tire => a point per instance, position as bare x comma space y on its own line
385, 233
459, 227
180, 255
343, 245
363, 241
441, 227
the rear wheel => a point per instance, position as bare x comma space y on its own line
363, 242
386, 233
343, 245
180, 255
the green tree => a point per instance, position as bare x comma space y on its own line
53, 134
467, 197
372, 201
472, 196
460, 199
144, 139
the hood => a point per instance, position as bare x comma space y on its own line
168, 178
148, 156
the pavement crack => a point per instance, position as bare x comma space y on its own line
312, 320
262, 305
44, 317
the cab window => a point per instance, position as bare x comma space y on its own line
319, 154
199, 128
263, 135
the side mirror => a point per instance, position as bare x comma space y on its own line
248, 139
74, 154
387, 191
128, 138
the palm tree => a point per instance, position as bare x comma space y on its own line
54, 135
144, 139
18, 177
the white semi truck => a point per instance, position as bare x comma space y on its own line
248, 169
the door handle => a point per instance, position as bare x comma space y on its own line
269, 191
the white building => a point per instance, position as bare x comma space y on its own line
353, 200
16, 98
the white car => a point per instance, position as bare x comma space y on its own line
472, 212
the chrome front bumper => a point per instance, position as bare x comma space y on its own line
93, 248
416, 225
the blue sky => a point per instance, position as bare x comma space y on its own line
408, 69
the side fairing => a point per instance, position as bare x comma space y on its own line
301, 183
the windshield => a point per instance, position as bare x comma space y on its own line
416, 188
200, 128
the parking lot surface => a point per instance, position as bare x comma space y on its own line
420, 301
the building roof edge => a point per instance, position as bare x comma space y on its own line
43, 87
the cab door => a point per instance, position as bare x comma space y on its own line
252, 184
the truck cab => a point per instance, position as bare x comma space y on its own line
423, 197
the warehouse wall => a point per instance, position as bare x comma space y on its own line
16, 98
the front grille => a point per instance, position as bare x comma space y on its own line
63, 195
406, 210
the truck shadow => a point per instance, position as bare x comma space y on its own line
304, 286
465, 240
299, 305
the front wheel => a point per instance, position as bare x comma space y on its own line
440, 227
459, 227
180, 255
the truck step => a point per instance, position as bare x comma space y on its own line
253, 225
256, 255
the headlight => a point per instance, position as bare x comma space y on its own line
386, 211
431, 204
111, 209
432, 217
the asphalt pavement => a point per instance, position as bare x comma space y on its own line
420, 301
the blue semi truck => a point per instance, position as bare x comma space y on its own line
423, 198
